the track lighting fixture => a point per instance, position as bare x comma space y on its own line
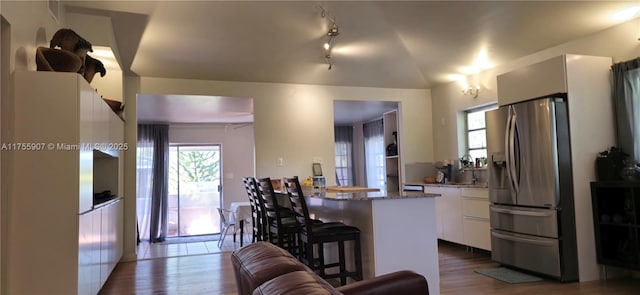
333, 31
327, 46
328, 42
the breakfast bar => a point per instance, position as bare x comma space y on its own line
398, 229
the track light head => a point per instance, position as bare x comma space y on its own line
333, 31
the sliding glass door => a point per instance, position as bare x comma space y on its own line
194, 190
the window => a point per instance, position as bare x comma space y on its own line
344, 161
374, 151
476, 132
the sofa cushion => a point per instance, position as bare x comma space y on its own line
403, 282
257, 263
297, 282
263, 268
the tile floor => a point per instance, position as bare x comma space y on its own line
148, 250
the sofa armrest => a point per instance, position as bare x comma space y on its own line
401, 282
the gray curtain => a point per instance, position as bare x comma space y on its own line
344, 146
153, 175
374, 153
626, 91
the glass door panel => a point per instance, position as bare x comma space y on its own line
194, 190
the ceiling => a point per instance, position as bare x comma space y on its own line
154, 108
347, 112
390, 44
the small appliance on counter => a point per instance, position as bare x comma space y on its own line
444, 173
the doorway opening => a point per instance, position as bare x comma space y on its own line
194, 123
194, 190
363, 129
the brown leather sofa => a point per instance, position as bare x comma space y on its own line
263, 268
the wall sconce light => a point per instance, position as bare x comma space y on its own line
472, 91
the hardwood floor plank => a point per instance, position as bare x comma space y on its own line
213, 274
458, 276
194, 274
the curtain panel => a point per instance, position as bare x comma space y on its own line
626, 91
374, 152
153, 174
345, 173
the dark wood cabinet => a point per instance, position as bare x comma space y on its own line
616, 217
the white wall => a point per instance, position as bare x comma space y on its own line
29, 25
619, 42
237, 153
131, 87
295, 122
32, 25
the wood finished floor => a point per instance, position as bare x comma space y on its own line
213, 274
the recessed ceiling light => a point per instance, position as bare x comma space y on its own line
626, 14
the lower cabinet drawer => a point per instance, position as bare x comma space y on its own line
538, 254
477, 233
475, 208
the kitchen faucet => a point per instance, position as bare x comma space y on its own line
473, 176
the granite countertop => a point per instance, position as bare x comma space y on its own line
105, 202
368, 196
453, 184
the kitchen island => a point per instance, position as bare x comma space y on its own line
398, 230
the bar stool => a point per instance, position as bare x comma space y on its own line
256, 210
314, 234
282, 229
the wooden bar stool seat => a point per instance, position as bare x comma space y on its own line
313, 235
281, 228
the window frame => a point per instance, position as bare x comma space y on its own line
483, 109
346, 177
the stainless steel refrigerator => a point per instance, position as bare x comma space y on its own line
530, 187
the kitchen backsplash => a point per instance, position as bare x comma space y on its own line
416, 172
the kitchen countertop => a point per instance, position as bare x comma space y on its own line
452, 184
367, 196
106, 202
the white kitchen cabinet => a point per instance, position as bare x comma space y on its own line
111, 234
462, 215
475, 217
89, 252
54, 233
448, 213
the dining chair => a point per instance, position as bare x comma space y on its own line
281, 228
226, 224
314, 235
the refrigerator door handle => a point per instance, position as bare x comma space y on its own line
523, 240
519, 212
510, 150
